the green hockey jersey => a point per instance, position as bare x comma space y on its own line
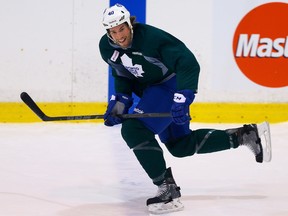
153, 56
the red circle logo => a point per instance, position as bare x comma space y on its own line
260, 45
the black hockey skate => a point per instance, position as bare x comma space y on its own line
167, 198
257, 138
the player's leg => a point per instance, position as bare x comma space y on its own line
150, 155
181, 141
140, 136
145, 147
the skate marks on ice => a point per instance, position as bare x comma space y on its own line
27, 197
134, 207
222, 197
137, 206
24, 204
35, 205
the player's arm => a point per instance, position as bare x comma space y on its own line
182, 61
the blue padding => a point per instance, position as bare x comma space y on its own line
157, 99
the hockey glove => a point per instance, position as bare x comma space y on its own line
118, 104
180, 106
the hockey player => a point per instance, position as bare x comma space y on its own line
164, 73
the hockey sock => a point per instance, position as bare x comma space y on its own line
201, 141
146, 149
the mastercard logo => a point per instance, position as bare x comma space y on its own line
260, 45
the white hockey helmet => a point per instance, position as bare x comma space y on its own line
116, 15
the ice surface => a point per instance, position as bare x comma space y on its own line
70, 169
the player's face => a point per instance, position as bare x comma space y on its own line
121, 35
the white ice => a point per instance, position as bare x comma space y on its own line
70, 169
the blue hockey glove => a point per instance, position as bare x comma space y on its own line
180, 106
118, 104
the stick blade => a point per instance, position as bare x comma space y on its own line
32, 105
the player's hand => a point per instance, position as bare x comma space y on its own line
180, 107
118, 104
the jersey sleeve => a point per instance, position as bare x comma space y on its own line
176, 56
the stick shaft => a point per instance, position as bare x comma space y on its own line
36, 109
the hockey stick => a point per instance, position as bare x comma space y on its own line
35, 108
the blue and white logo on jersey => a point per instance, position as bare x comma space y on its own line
136, 69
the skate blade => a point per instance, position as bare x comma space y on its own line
162, 208
265, 136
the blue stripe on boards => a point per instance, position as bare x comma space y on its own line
138, 9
